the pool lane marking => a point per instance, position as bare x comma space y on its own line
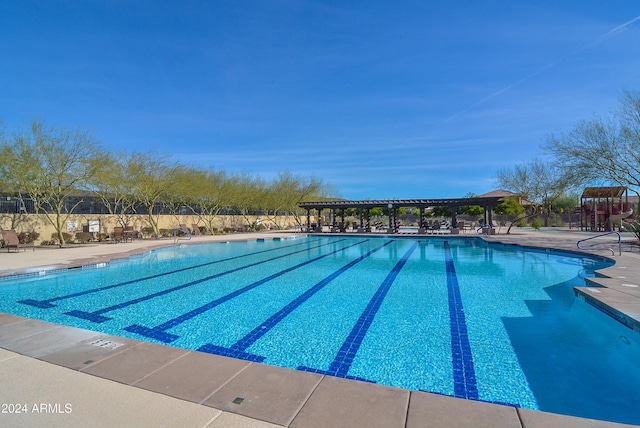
238, 349
464, 377
347, 353
159, 332
46, 304
97, 317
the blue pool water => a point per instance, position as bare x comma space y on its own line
454, 316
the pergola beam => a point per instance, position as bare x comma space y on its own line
488, 203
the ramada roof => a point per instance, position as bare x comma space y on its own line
604, 192
499, 194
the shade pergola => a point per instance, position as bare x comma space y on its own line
488, 203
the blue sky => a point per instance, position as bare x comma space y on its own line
403, 99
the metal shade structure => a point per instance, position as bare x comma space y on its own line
487, 202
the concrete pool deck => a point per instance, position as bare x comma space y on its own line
53, 375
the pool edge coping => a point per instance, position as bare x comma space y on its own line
429, 402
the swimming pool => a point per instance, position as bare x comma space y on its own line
454, 316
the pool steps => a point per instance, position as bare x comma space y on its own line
615, 297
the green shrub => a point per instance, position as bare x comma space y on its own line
165, 233
68, 238
28, 237
535, 223
148, 232
83, 237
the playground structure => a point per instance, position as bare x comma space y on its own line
603, 208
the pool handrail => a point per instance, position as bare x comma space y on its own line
177, 238
601, 235
484, 226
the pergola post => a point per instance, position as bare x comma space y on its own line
488, 221
333, 219
454, 220
395, 220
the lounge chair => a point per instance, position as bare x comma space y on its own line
129, 233
118, 234
11, 240
468, 226
195, 229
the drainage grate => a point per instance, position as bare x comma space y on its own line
107, 344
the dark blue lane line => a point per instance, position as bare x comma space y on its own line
347, 353
97, 317
159, 332
46, 304
238, 349
464, 377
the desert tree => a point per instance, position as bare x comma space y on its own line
247, 195
9, 185
204, 192
284, 194
52, 166
112, 185
512, 207
603, 150
180, 194
538, 182
215, 193
152, 178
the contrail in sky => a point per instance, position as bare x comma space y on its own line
619, 29
611, 33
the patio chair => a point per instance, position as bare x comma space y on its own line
11, 240
118, 234
469, 226
129, 233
